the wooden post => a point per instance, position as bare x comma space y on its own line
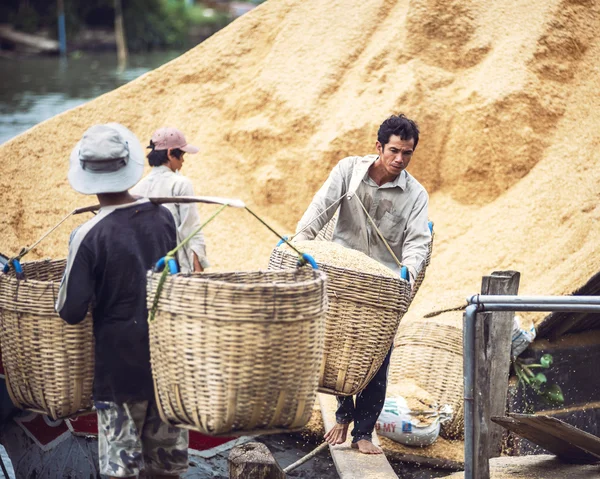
503, 283
62, 31
493, 338
253, 460
120, 34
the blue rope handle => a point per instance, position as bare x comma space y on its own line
305, 259
171, 264
281, 241
404, 273
16, 266
308, 259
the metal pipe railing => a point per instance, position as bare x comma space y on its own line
484, 303
546, 300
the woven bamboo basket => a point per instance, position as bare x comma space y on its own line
238, 353
363, 316
49, 364
431, 354
326, 234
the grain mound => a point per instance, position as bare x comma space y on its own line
333, 254
506, 95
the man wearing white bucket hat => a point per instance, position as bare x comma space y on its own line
168, 147
106, 269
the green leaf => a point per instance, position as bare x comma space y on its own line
554, 394
546, 360
538, 380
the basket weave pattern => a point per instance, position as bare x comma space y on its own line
238, 352
363, 316
326, 234
432, 355
49, 364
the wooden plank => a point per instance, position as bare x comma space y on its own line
350, 463
585, 417
498, 345
565, 441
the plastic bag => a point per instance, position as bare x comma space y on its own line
411, 427
522, 336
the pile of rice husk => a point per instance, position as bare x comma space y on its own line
333, 254
506, 95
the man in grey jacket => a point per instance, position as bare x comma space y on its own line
379, 187
168, 147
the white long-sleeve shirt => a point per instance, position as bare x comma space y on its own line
162, 181
398, 208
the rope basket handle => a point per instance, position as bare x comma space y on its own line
16, 265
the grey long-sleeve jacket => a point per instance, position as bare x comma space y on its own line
398, 208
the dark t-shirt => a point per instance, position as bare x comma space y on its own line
109, 257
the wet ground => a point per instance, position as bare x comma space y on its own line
287, 449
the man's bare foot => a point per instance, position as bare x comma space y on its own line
337, 434
366, 447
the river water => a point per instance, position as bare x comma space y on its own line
33, 89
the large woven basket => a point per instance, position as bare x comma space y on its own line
238, 353
363, 316
326, 234
430, 353
49, 364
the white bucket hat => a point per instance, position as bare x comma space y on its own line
108, 159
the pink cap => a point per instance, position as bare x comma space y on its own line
167, 137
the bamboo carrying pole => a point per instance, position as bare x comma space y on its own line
306, 458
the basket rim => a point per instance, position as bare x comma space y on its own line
340, 269
204, 278
10, 278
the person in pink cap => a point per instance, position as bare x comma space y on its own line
169, 147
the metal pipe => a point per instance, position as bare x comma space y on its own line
469, 380
480, 303
575, 308
547, 300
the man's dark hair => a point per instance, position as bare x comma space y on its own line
398, 125
160, 157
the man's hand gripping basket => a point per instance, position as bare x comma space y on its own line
49, 364
235, 353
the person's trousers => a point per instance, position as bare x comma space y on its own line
369, 404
